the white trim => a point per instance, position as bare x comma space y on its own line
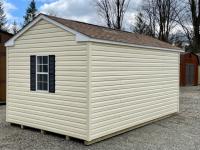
179, 69
11, 42
89, 65
80, 37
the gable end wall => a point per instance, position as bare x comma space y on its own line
64, 112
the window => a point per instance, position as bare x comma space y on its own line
42, 73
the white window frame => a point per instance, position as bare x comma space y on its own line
46, 73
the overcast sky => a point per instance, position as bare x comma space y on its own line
81, 10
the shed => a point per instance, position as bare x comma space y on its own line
87, 81
4, 36
189, 69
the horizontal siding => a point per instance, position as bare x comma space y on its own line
64, 112
130, 86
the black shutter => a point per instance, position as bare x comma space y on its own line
33, 73
52, 73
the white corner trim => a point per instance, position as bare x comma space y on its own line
134, 45
79, 36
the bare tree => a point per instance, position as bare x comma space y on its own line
113, 11
166, 17
160, 16
189, 20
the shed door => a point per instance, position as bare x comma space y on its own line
189, 74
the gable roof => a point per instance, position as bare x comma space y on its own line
90, 32
182, 56
103, 33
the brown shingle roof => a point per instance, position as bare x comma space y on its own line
103, 33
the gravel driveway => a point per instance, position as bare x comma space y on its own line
180, 132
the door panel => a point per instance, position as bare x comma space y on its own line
189, 74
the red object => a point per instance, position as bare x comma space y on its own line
189, 69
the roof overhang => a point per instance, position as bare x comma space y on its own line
135, 45
79, 36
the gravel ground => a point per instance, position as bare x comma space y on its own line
180, 132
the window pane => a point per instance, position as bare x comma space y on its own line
39, 68
45, 78
45, 59
45, 87
39, 85
39, 78
39, 60
42, 77
45, 68
42, 82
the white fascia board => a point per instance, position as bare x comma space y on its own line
135, 45
79, 36
11, 42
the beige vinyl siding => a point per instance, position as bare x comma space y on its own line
64, 112
130, 86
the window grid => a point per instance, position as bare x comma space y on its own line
42, 73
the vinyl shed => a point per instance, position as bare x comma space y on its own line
87, 81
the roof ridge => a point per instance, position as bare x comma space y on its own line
122, 31
140, 39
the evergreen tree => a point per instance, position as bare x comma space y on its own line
14, 27
30, 13
3, 19
140, 26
